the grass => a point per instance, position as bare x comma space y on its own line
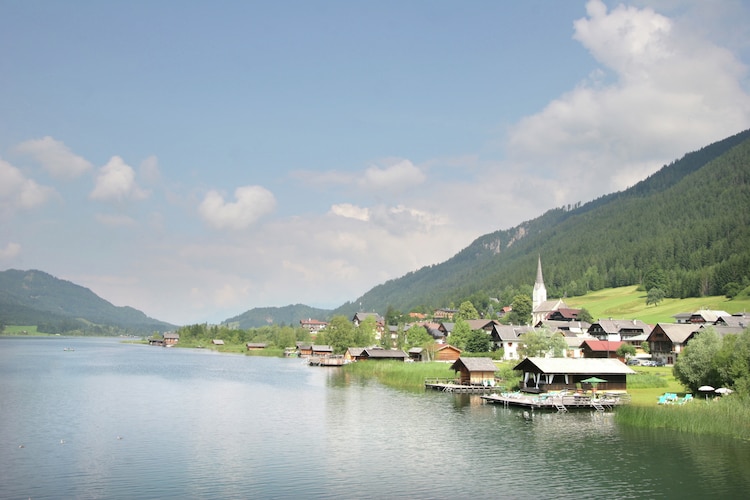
630, 303
722, 416
399, 375
22, 330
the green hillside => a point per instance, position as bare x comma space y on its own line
630, 303
58, 306
287, 315
685, 229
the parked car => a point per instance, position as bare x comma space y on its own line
658, 363
633, 362
648, 362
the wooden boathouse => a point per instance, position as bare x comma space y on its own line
556, 374
473, 375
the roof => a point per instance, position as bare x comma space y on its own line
618, 325
217, 342
708, 315
171, 335
475, 364
384, 353
448, 346
260, 345
480, 324
322, 348
551, 305
602, 345
355, 351
738, 320
416, 350
678, 333
577, 341
575, 366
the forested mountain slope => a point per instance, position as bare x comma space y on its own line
58, 306
686, 228
287, 315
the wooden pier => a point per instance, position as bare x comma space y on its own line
453, 385
326, 361
560, 402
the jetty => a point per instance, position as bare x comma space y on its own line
453, 385
326, 361
561, 401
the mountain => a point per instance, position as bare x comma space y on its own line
57, 306
685, 229
288, 315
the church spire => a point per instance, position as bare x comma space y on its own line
539, 277
539, 295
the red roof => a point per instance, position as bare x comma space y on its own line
602, 345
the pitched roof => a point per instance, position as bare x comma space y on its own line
678, 333
551, 305
602, 345
577, 366
707, 315
475, 364
618, 325
384, 353
480, 324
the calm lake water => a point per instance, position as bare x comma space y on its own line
113, 420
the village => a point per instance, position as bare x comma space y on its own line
590, 373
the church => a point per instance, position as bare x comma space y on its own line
541, 307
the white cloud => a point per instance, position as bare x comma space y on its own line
55, 157
252, 202
399, 176
350, 211
19, 192
670, 93
116, 182
10, 251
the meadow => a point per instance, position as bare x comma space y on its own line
630, 303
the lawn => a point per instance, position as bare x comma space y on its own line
629, 303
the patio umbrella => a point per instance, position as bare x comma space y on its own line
724, 390
706, 389
593, 381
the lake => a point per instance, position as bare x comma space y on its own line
115, 420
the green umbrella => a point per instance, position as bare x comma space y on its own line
594, 380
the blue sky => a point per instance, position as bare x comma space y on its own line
197, 159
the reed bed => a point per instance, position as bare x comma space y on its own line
721, 416
399, 375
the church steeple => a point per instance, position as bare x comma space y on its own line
539, 295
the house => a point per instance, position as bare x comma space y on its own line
667, 340
600, 348
741, 320
546, 374
304, 350
417, 353
618, 329
312, 325
321, 350
574, 349
378, 353
564, 314
444, 314
707, 316
256, 346
446, 352
482, 324
353, 354
217, 342
359, 317
475, 371
554, 325
171, 338
506, 337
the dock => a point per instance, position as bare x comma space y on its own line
561, 402
453, 385
326, 361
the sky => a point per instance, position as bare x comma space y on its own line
197, 159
